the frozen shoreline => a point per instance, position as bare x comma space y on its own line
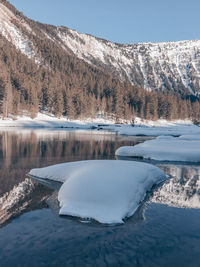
146, 128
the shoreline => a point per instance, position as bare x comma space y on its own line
140, 127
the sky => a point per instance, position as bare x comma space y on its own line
121, 21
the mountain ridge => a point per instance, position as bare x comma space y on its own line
59, 70
166, 66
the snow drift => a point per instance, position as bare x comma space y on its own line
104, 190
166, 148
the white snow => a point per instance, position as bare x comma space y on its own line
10, 30
159, 127
104, 190
190, 137
153, 62
13, 34
142, 127
45, 120
165, 148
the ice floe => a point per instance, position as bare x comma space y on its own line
104, 190
165, 148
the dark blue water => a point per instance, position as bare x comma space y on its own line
166, 237
33, 234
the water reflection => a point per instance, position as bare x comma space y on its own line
24, 197
22, 150
167, 237
183, 189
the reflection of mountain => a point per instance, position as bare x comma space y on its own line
25, 196
182, 190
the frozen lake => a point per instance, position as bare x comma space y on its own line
165, 231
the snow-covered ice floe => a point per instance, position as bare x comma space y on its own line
104, 190
165, 148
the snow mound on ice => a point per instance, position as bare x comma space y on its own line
183, 148
104, 190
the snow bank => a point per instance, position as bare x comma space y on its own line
169, 128
190, 137
47, 120
183, 148
155, 128
104, 190
142, 127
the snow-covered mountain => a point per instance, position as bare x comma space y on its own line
10, 25
171, 66
153, 66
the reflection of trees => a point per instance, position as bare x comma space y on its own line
20, 152
183, 190
29, 150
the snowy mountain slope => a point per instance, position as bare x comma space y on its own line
9, 28
171, 66
153, 66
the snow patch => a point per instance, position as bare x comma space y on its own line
104, 190
165, 149
13, 34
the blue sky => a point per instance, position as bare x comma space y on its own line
122, 21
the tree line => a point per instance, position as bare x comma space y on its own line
64, 85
